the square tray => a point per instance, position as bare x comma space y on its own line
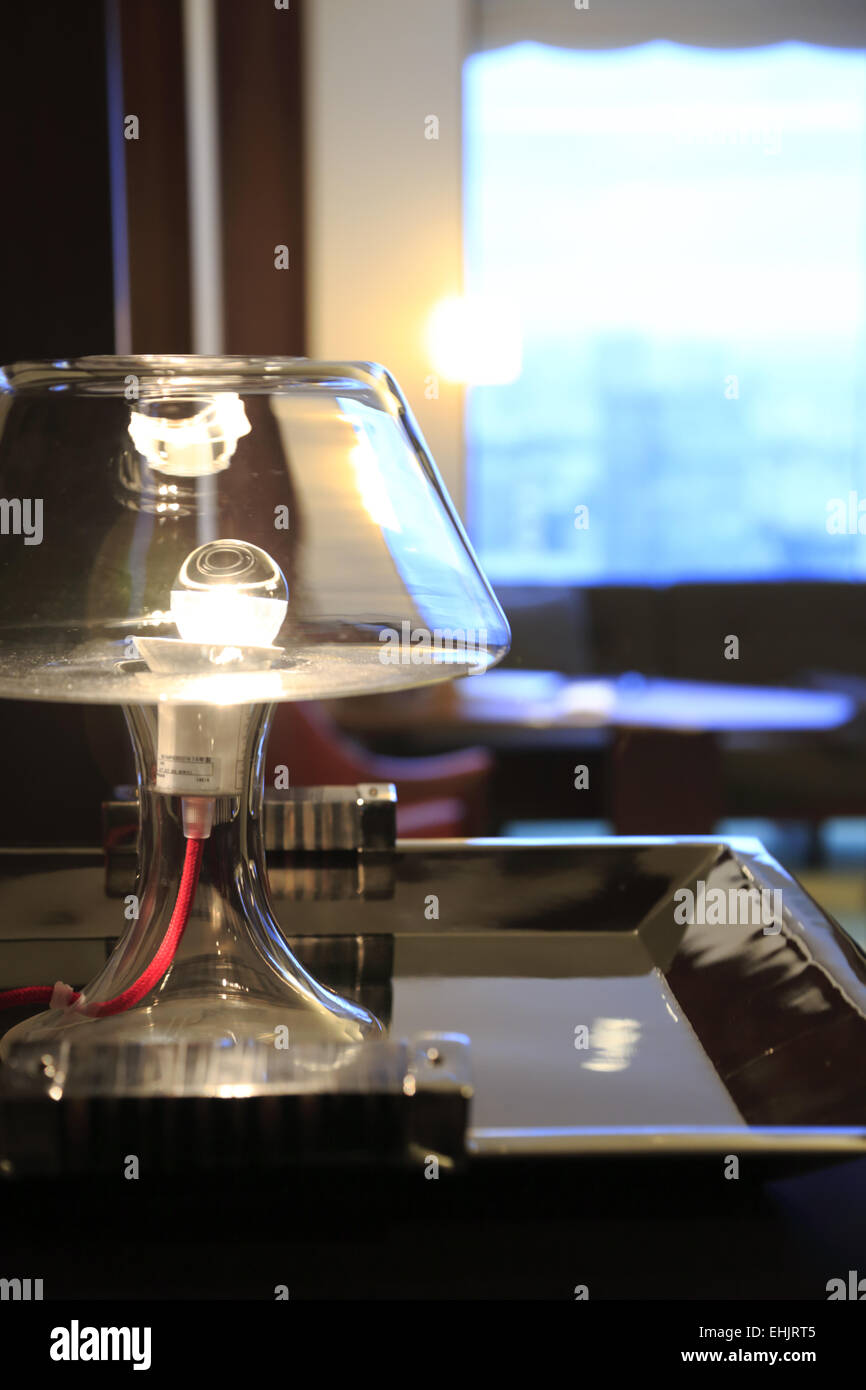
598, 1022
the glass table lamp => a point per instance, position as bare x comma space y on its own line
196, 539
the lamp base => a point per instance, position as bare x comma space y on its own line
220, 1022
232, 979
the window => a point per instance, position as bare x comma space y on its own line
680, 234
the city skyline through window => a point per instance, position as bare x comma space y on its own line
680, 234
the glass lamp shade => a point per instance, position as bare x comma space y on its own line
113, 471
196, 539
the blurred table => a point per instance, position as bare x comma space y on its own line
654, 748
545, 700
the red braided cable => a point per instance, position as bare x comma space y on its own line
170, 942
31, 994
41, 994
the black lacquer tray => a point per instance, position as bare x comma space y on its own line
580, 1012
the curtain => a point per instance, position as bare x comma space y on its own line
707, 23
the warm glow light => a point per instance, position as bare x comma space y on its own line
229, 594
371, 485
223, 616
475, 340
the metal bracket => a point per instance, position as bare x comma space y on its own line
362, 818
309, 834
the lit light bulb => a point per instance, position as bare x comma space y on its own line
229, 593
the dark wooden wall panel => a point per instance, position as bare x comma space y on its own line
261, 138
56, 294
155, 173
55, 231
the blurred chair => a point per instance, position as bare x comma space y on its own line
440, 796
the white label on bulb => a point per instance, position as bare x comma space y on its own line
200, 749
178, 773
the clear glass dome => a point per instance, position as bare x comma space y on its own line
115, 471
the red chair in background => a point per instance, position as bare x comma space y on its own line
437, 797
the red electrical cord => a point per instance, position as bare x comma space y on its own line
31, 994
42, 994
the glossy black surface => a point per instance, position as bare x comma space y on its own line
695, 1035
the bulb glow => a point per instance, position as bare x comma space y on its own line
227, 618
229, 594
